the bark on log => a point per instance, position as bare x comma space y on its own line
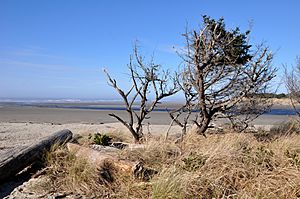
19, 158
100, 158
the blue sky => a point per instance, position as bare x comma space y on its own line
56, 49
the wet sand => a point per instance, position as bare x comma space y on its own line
29, 114
67, 115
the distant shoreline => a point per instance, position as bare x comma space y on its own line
280, 107
98, 113
277, 101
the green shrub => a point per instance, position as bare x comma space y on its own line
101, 139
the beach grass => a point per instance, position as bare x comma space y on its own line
231, 165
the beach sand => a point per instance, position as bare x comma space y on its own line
22, 125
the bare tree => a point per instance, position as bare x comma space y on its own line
182, 114
292, 80
145, 78
224, 70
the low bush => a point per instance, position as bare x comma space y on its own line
101, 139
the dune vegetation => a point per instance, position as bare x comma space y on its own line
227, 165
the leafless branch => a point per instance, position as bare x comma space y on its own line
145, 78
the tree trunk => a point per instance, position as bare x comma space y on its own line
135, 135
19, 158
203, 127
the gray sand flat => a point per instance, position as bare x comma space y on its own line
64, 116
20, 126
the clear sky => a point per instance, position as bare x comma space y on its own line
56, 49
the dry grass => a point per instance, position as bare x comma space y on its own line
68, 173
290, 127
156, 154
72, 175
220, 166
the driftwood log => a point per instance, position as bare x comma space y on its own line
130, 146
104, 155
19, 158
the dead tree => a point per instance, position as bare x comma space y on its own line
145, 78
223, 69
292, 81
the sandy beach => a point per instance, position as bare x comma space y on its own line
22, 125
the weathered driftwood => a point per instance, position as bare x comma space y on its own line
104, 156
130, 146
19, 158
106, 149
